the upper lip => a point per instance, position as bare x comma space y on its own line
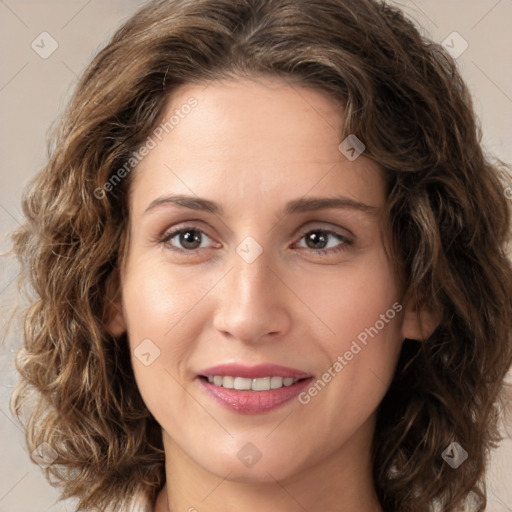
253, 372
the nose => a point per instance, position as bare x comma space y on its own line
253, 301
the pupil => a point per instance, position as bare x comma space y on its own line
316, 238
188, 238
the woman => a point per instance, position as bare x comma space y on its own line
269, 258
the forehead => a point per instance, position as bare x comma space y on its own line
257, 139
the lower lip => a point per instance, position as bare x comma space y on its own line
254, 402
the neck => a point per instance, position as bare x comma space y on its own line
341, 482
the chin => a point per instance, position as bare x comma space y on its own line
248, 464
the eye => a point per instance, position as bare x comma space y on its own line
190, 238
322, 241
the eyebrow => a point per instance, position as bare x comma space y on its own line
303, 204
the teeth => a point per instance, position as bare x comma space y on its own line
276, 382
241, 383
244, 384
261, 384
227, 382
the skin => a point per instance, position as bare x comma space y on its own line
251, 145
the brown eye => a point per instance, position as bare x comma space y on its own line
188, 238
324, 241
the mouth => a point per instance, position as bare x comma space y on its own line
253, 390
245, 384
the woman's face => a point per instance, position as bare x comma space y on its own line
263, 287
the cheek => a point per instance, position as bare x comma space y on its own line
361, 308
164, 312
162, 325
158, 303
350, 301
159, 320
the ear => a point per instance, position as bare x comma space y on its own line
113, 311
419, 323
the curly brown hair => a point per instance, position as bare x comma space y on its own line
450, 221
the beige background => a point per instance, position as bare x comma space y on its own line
33, 90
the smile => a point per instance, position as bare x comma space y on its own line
242, 383
253, 389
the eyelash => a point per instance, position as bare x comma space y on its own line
345, 242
